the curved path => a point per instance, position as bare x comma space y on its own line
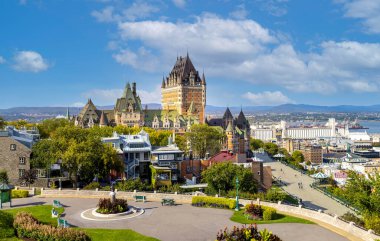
310, 197
181, 222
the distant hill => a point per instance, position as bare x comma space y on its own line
38, 113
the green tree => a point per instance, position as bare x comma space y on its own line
2, 123
49, 126
256, 144
203, 139
45, 153
29, 177
271, 148
222, 177
181, 142
4, 177
298, 157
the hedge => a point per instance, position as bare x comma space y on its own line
215, 202
269, 213
28, 227
20, 193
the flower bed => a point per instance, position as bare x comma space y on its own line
258, 212
214, 202
245, 233
105, 206
28, 227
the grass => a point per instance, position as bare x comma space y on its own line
120, 235
238, 217
43, 214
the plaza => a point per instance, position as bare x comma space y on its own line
181, 222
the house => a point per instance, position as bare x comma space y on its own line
14, 157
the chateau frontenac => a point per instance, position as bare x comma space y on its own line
183, 103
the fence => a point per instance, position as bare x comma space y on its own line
349, 228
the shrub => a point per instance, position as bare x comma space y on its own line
372, 221
245, 233
246, 195
215, 202
6, 225
275, 195
105, 206
92, 186
28, 227
269, 213
130, 185
4, 177
254, 211
350, 217
19, 193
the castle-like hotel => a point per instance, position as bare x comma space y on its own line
183, 103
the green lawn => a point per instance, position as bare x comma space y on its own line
43, 214
238, 217
118, 234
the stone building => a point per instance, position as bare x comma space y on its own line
184, 90
183, 104
237, 130
14, 157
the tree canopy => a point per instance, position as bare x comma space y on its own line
203, 139
256, 144
222, 176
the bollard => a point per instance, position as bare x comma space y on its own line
300, 206
279, 202
78, 189
97, 189
59, 189
155, 192
258, 201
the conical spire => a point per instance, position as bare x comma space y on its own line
163, 82
103, 120
229, 127
227, 114
203, 78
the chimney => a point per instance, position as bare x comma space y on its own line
134, 88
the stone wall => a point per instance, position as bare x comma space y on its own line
326, 220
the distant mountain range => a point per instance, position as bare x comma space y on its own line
45, 112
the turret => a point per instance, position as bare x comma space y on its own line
134, 88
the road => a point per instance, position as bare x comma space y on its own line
310, 197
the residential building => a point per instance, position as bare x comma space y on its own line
27, 137
166, 164
14, 157
313, 153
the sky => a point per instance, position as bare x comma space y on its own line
258, 52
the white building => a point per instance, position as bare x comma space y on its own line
309, 133
264, 134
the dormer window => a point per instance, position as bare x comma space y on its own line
22, 160
13, 147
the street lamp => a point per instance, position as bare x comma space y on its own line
237, 194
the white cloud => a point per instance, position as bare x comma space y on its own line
77, 104
240, 12
137, 10
2, 60
366, 10
244, 50
267, 98
360, 86
179, 3
153, 96
276, 8
29, 61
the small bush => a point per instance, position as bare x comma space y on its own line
6, 225
92, 186
245, 233
214, 202
269, 213
372, 221
254, 211
28, 227
275, 195
20, 193
350, 217
105, 206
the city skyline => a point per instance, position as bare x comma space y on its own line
252, 52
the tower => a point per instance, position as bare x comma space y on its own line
184, 91
230, 137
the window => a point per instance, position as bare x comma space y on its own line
21, 172
22, 160
146, 155
137, 155
13, 147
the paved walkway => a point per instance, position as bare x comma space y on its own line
310, 197
181, 222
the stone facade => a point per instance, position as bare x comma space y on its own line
184, 90
14, 158
183, 102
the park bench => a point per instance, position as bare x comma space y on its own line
54, 213
167, 201
62, 223
140, 198
57, 203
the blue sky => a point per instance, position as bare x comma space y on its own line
258, 52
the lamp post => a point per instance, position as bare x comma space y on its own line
237, 194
